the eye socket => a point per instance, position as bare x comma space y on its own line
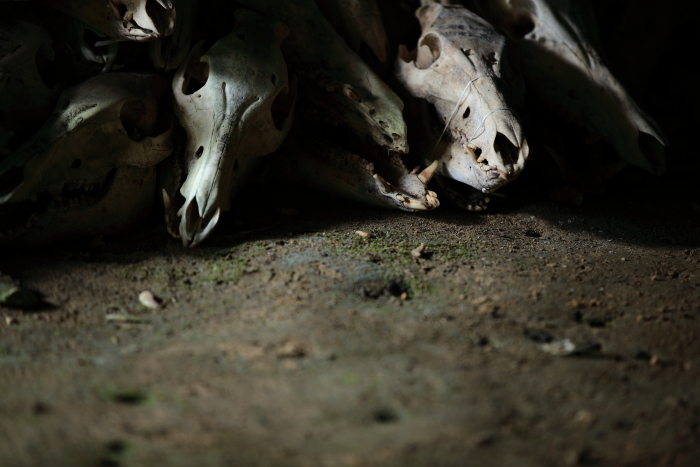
196, 76
523, 26
429, 51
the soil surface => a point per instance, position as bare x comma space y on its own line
537, 334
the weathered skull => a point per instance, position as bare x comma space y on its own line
331, 168
25, 100
90, 169
565, 73
347, 87
358, 21
235, 102
458, 68
135, 20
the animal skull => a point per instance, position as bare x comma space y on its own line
235, 102
565, 73
344, 83
123, 20
24, 98
458, 67
91, 167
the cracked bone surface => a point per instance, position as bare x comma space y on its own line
235, 102
90, 169
123, 20
350, 89
457, 67
565, 73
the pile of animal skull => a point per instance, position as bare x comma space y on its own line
106, 105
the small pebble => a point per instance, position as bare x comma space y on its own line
418, 251
148, 300
9, 320
584, 416
363, 234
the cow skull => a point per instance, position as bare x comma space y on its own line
123, 20
90, 169
565, 73
234, 101
347, 87
458, 67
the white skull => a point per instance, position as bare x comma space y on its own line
135, 20
458, 68
235, 103
91, 166
24, 98
565, 73
344, 84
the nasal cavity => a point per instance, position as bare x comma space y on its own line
196, 76
467, 113
507, 150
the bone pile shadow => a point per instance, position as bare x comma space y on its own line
108, 105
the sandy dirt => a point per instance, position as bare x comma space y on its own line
291, 340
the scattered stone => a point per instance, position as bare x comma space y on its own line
363, 234
419, 251
122, 318
566, 348
148, 300
480, 300
292, 349
584, 417
9, 320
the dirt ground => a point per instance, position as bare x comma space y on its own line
293, 341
